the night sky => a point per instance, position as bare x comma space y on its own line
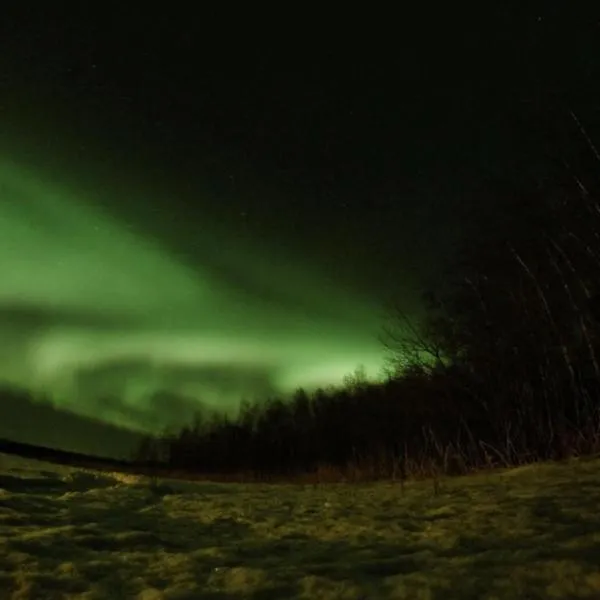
189, 213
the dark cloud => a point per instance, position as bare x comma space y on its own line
31, 318
31, 421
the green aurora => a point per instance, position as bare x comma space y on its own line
99, 313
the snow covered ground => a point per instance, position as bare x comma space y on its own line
532, 532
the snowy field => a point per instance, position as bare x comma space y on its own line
533, 532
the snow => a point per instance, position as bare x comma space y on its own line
65, 533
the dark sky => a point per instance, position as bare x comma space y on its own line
208, 210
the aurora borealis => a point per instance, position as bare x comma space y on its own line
104, 318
